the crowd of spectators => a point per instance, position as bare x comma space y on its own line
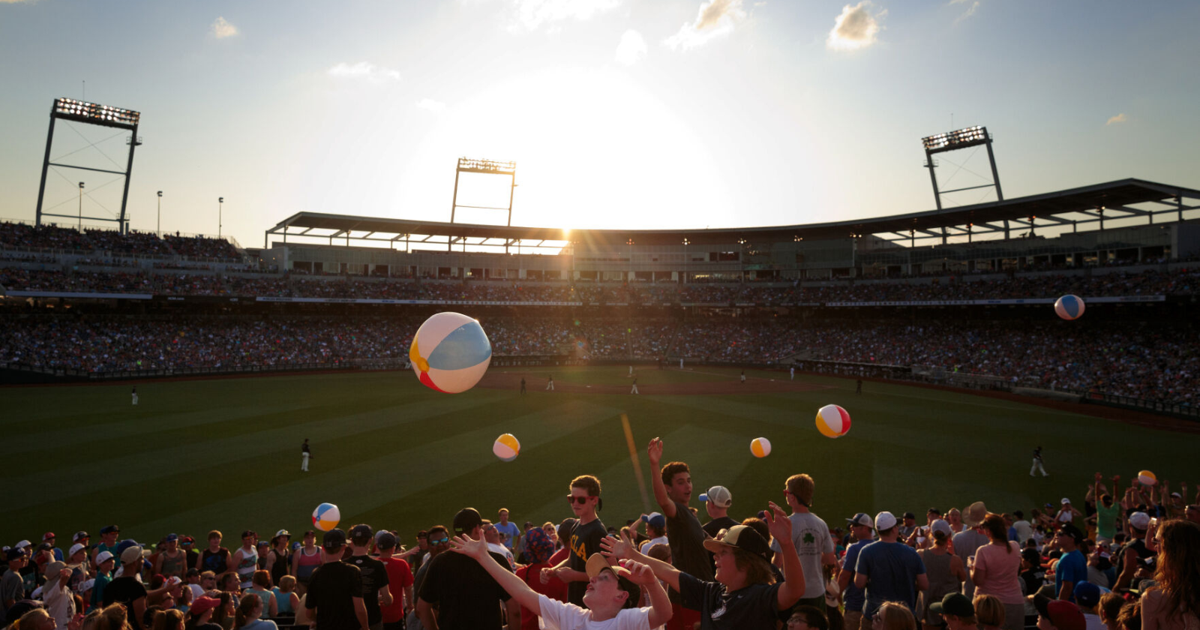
203, 247
53, 237
21, 235
141, 243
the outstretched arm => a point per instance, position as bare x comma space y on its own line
625, 549
660, 605
478, 550
654, 451
793, 572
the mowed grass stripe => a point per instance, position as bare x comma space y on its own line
360, 485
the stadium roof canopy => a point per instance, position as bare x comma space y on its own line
1074, 207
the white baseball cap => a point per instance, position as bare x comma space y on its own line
76, 548
1066, 501
884, 520
102, 557
1139, 520
720, 496
941, 526
23, 544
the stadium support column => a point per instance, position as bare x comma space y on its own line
46, 168
134, 141
995, 173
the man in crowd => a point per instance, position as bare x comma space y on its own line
12, 587
509, 532
861, 528
685, 535
335, 591
970, 539
1135, 552
586, 534
1072, 566
810, 536
466, 597
656, 531
108, 542
374, 575
128, 589
492, 538
888, 571
718, 504
400, 583
439, 541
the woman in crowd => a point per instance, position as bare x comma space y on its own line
1173, 603
944, 569
286, 601
224, 615
997, 569
261, 586
249, 613
305, 561
954, 517
990, 612
168, 620
201, 613
893, 616
36, 619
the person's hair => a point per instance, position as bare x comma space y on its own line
1178, 568
811, 616
896, 616
989, 611
801, 487
758, 570
186, 595
670, 470
192, 572
249, 603
220, 616
31, 620
216, 533
940, 538
148, 615
168, 620
760, 526
994, 524
587, 482
423, 534
262, 579
112, 617
1110, 606
1019, 514
1130, 616
225, 580
208, 574
287, 584
659, 551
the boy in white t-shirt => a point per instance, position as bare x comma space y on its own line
611, 597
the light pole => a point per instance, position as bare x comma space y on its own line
741, 260
220, 210
158, 228
80, 207
630, 243
686, 260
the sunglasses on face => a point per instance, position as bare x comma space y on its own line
439, 541
575, 499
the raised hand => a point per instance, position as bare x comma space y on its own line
778, 522
655, 451
639, 573
467, 546
617, 547
1099, 477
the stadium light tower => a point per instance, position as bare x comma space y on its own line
220, 214
68, 109
80, 206
158, 225
954, 141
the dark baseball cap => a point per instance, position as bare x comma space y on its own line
386, 540
1073, 532
248, 533
1087, 594
108, 529
909, 515
333, 539
79, 536
742, 537
955, 604
15, 554
861, 519
466, 520
361, 534
1063, 614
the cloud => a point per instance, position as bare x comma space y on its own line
855, 28
716, 18
1118, 119
222, 29
363, 71
970, 10
431, 105
631, 49
531, 14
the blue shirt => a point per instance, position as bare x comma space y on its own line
891, 569
511, 529
854, 596
1072, 567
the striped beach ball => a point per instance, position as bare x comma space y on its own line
450, 353
506, 447
1069, 307
326, 516
833, 421
1147, 478
761, 447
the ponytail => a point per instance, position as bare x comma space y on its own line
247, 606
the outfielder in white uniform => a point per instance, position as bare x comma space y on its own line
304, 455
793, 371
135, 396
550, 384
634, 390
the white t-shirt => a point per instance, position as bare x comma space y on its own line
811, 536
558, 615
653, 541
1093, 622
197, 591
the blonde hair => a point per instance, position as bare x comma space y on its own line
31, 619
287, 584
112, 617
896, 616
989, 610
168, 620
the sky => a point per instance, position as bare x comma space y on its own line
618, 113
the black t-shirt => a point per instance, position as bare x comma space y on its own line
585, 541
748, 608
1139, 547
466, 596
216, 562
714, 527
331, 590
125, 590
686, 537
374, 577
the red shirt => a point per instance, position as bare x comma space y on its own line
554, 589
399, 578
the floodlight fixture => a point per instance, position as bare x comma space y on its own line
96, 114
953, 141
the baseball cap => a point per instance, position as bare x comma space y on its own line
248, 533
466, 520
76, 548
85, 586
955, 604
1087, 594
742, 537
861, 518
910, 515
720, 496
360, 534
23, 544
1073, 532
1066, 501
102, 557
941, 526
884, 520
45, 546
79, 536
131, 554
15, 553
172, 537
108, 529
186, 540
48, 536
333, 539
203, 604
655, 519
1139, 520
933, 510
1063, 614
596, 564
283, 532
386, 540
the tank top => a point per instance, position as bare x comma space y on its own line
941, 580
280, 568
265, 596
248, 566
216, 562
307, 564
283, 601
174, 566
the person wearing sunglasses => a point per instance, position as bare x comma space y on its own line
466, 597
439, 541
585, 538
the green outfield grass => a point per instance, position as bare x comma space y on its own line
225, 454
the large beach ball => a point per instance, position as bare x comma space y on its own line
833, 421
326, 516
1147, 478
1069, 307
450, 353
506, 447
761, 447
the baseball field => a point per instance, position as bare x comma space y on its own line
195, 455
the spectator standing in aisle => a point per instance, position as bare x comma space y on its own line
335, 592
810, 538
